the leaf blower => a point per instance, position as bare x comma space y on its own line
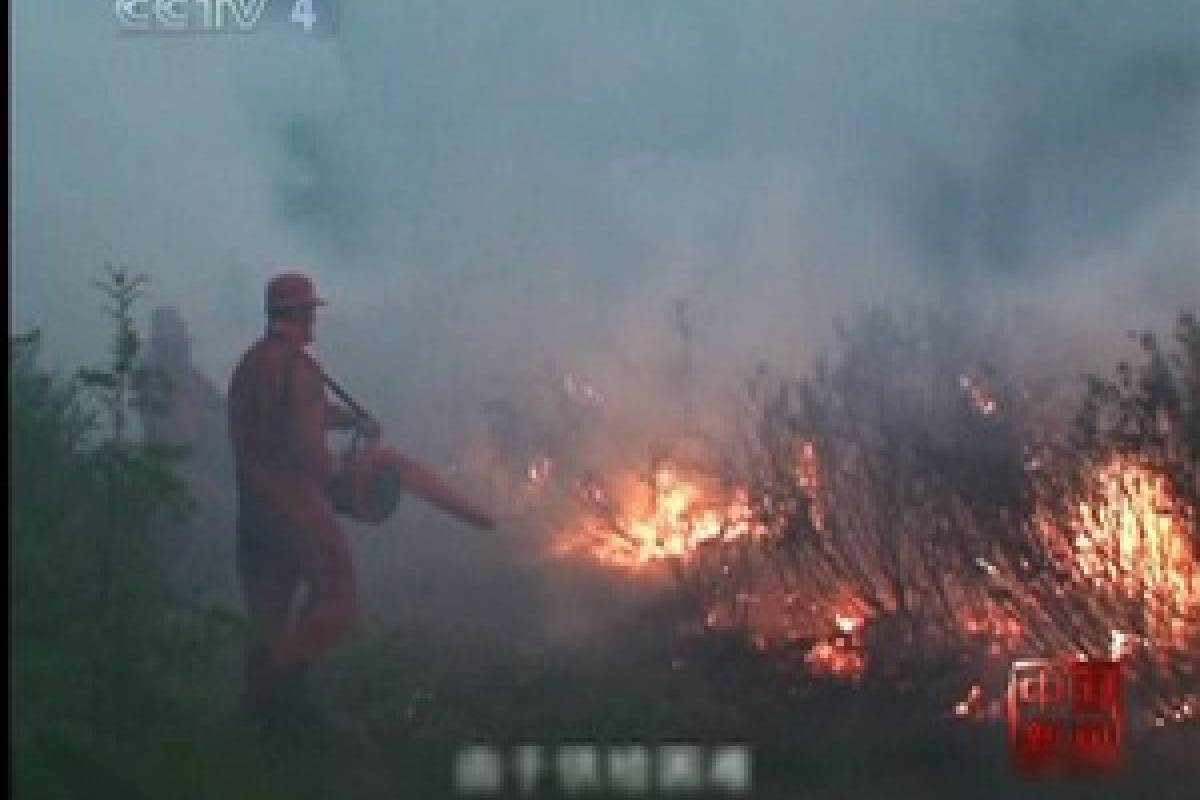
372, 478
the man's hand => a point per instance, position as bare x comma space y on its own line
340, 418
370, 429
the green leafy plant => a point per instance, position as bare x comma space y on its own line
112, 673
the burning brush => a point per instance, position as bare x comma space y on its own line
668, 515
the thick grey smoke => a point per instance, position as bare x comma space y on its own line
485, 188
476, 183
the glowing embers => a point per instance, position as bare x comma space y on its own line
809, 479
994, 623
972, 705
842, 653
978, 394
539, 471
1176, 710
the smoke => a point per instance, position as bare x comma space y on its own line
485, 189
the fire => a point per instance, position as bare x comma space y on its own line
581, 391
1123, 550
669, 517
993, 624
842, 653
980, 397
808, 477
1130, 540
1123, 541
1132, 537
963, 707
539, 470
836, 658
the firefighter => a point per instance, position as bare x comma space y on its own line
287, 533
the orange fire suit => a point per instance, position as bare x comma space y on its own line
287, 533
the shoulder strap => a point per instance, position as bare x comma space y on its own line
287, 396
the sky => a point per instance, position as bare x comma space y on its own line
485, 188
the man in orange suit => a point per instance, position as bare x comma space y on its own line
287, 531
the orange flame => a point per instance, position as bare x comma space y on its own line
670, 518
1130, 539
980, 397
808, 476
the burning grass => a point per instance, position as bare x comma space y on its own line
670, 515
913, 503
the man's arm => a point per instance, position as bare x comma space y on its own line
309, 423
340, 418
348, 417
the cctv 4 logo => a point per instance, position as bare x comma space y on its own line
1065, 716
210, 16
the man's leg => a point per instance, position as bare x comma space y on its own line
323, 559
269, 583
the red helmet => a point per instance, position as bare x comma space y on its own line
291, 290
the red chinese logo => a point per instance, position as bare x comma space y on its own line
1065, 716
